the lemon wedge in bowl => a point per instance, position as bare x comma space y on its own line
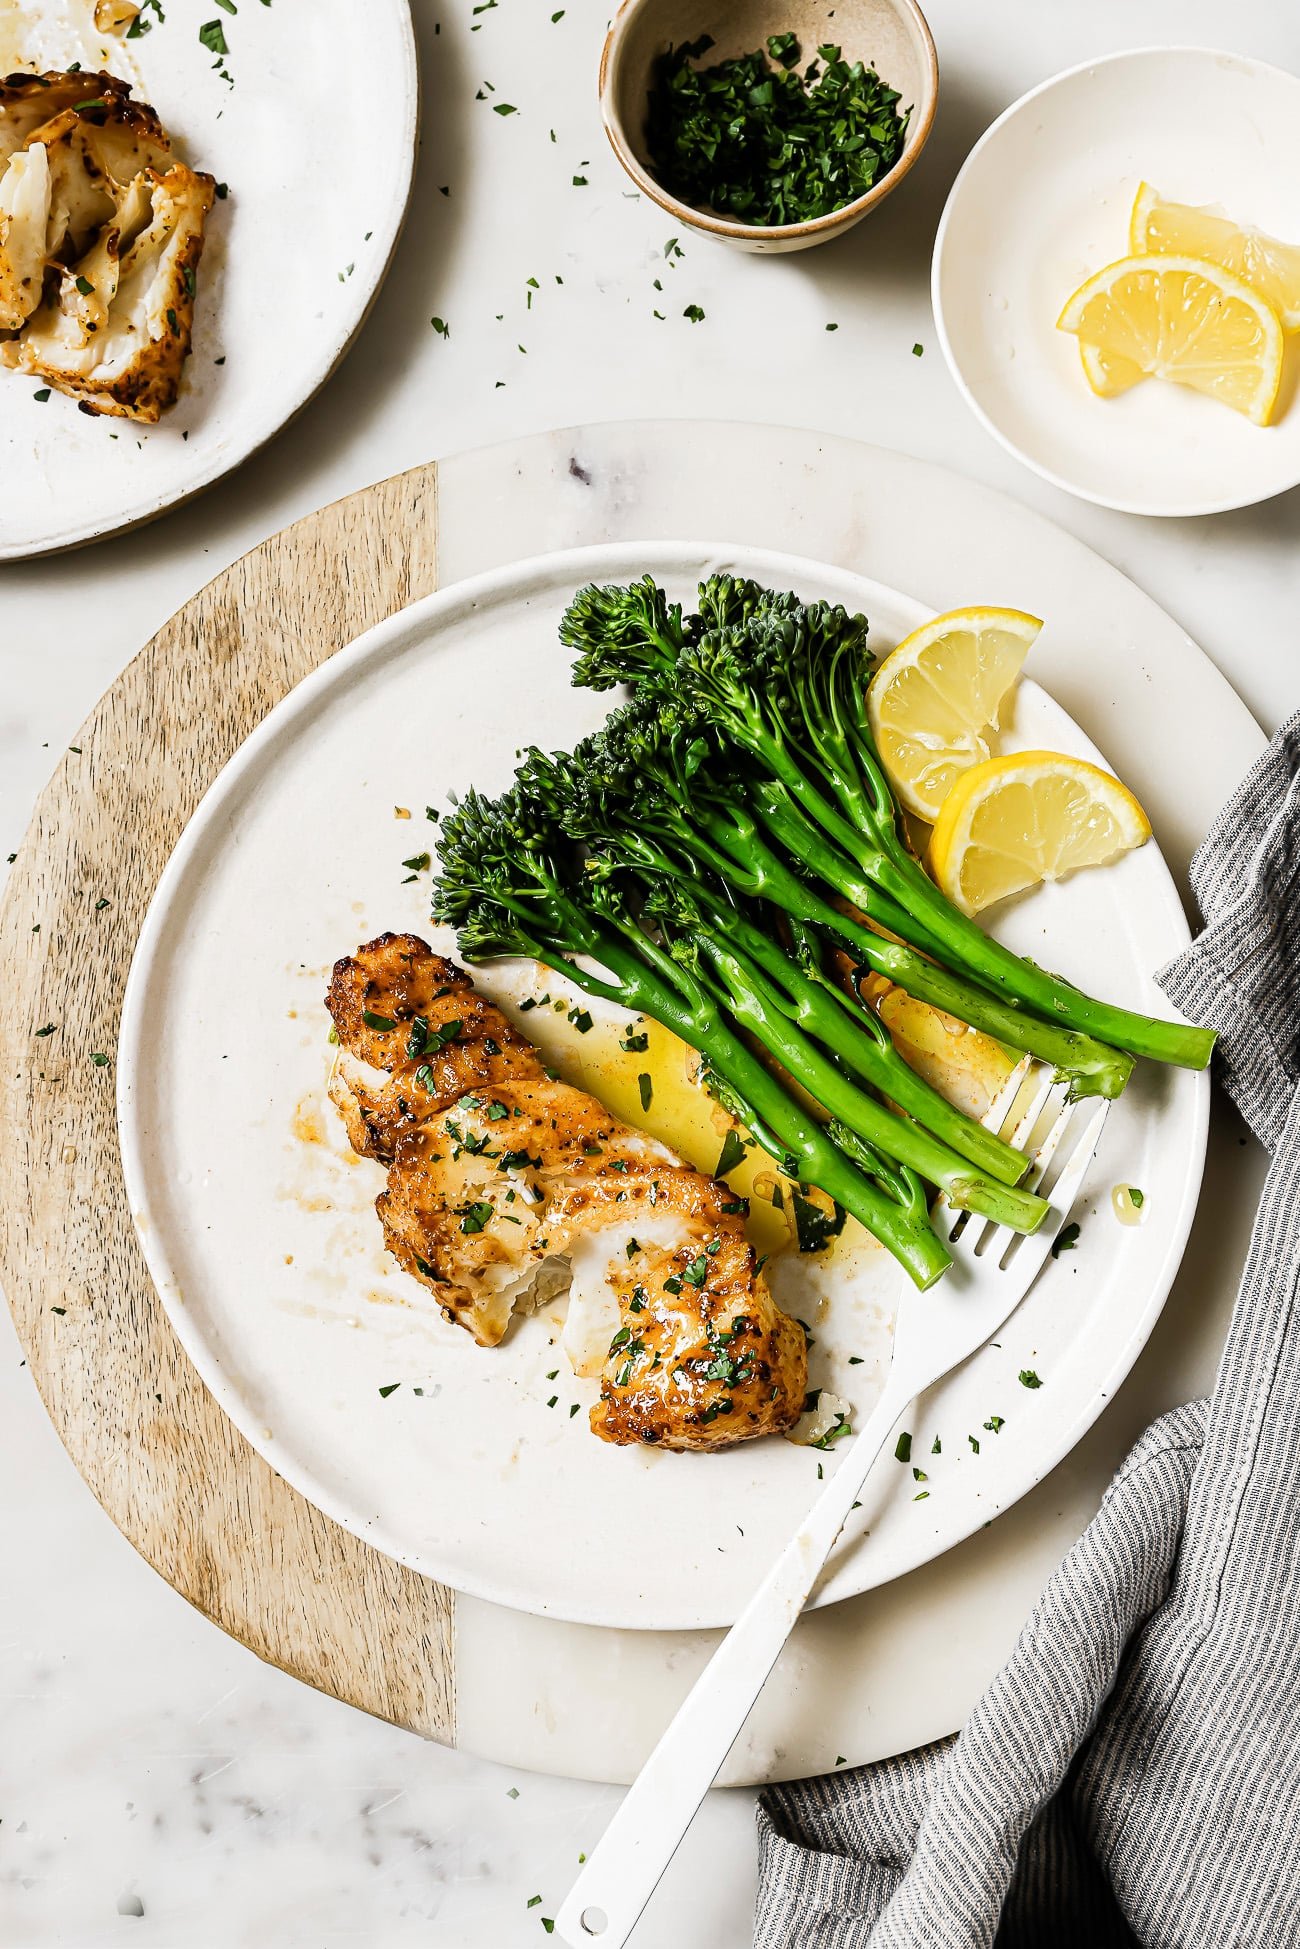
1031, 816
1179, 318
933, 700
1187, 230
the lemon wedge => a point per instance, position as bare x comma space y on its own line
1187, 230
934, 699
1179, 318
1014, 822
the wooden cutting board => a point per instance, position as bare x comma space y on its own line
172, 1472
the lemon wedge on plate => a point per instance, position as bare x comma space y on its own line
1179, 318
934, 699
1016, 821
1186, 230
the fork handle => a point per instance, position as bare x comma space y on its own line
606, 1900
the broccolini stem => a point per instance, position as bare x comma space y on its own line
1091, 1068
753, 1003
854, 1034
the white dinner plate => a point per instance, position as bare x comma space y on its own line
318, 159
256, 1220
1043, 200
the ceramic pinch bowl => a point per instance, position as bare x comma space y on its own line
890, 36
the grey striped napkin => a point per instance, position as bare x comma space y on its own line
1133, 1774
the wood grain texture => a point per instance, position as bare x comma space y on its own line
172, 1472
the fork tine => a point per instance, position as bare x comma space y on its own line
1014, 1114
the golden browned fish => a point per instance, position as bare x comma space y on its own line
507, 1186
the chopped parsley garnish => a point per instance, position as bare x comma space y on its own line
697, 1272
732, 1154
581, 1020
85, 286
694, 313
634, 1042
645, 1086
814, 1228
995, 1424
418, 863
475, 1216
49, 1029
392, 1388
381, 1024
1065, 1241
1028, 1378
903, 1448
757, 141
213, 36
1136, 1198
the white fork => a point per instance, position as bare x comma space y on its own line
935, 1331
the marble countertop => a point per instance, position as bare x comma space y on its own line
158, 1785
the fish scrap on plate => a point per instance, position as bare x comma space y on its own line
101, 232
507, 1187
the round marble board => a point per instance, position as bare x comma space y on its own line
873, 1675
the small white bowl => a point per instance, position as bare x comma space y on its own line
1043, 200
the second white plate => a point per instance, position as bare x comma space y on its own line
318, 172
257, 1222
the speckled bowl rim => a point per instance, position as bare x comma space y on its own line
749, 233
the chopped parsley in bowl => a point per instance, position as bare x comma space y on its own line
767, 139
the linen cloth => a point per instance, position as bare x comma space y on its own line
1132, 1776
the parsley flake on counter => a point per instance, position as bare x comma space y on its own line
392, 1388
756, 140
1028, 1378
47, 1030
694, 313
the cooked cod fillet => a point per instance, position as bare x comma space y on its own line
101, 233
507, 1186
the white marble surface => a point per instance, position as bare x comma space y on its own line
145, 1761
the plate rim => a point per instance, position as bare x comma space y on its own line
388, 228
1155, 510
382, 638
